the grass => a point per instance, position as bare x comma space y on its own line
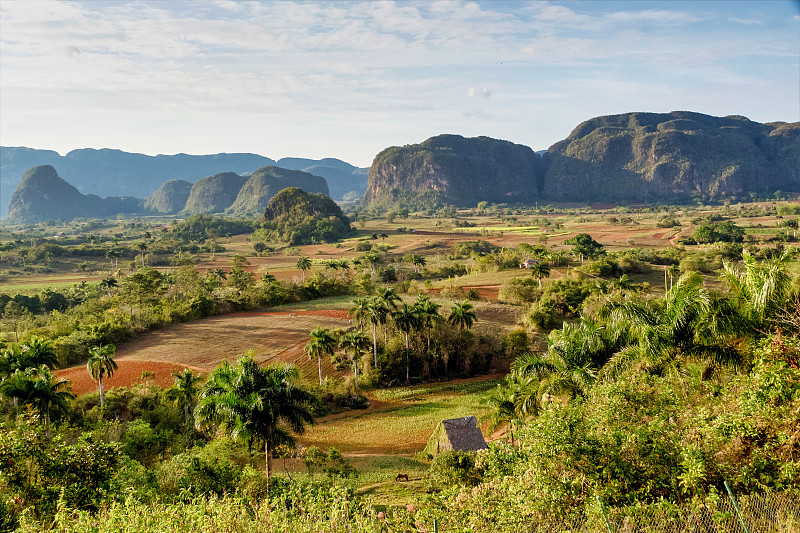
399, 427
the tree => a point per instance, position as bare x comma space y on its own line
418, 261
251, 404
304, 263
540, 270
462, 315
354, 342
376, 313
760, 288
184, 392
687, 322
383, 237
108, 283
359, 311
407, 320
143, 248
321, 343
428, 313
583, 245
101, 363
38, 387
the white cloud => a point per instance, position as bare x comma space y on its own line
747, 21
479, 93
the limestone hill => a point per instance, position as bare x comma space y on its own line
455, 170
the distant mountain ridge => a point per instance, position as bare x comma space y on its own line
44, 195
672, 157
109, 172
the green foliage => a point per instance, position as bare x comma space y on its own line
297, 217
454, 467
584, 245
723, 232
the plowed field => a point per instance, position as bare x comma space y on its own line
204, 344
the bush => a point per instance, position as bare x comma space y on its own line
454, 467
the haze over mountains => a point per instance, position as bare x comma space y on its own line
633, 157
110, 172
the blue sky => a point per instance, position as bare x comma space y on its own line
347, 79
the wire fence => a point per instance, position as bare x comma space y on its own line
755, 513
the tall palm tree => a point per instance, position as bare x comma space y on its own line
359, 311
540, 270
461, 315
304, 263
321, 343
354, 342
418, 261
184, 391
383, 237
101, 363
143, 248
389, 297
251, 404
428, 312
377, 312
407, 320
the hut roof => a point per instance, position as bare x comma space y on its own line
458, 434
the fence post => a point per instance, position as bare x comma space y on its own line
736, 507
435, 526
605, 518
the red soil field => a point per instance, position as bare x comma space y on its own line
128, 372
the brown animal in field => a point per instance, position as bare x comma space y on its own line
401, 477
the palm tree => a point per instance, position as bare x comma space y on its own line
354, 342
418, 261
760, 288
184, 391
512, 402
252, 404
383, 237
407, 319
389, 297
39, 388
688, 321
574, 356
428, 312
321, 343
304, 263
359, 311
461, 315
143, 247
101, 363
540, 270
108, 283
376, 313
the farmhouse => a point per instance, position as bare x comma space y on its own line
457, 434
529, 263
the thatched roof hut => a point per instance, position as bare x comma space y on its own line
458, 434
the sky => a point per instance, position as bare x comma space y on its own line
347, 79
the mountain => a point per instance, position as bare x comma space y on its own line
109, 172
672, 157
43, 195
455, 170
300, 217
170, 198
214, 194
345, 181
266, 182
